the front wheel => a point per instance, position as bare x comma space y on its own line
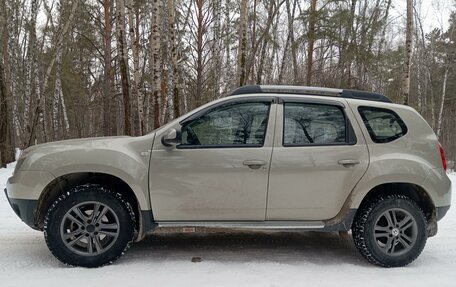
90, 226
390, 231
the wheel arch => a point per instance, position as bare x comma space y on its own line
413, 191
65, 182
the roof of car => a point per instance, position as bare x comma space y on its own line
304, 90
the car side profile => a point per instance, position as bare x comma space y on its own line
265, 158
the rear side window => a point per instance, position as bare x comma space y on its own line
313, 124
383, 125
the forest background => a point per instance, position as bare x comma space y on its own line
88, 68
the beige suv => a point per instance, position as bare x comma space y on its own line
265, 158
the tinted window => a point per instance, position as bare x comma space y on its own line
239, 124
313, 124
383, 125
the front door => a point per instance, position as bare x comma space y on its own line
220, 170
319, 156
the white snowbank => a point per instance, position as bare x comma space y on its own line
287, 259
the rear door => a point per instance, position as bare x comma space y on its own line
319, 156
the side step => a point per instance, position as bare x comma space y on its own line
265, 225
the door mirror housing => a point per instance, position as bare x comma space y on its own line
172, 137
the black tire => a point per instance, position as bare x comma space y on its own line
381, 234
100, 238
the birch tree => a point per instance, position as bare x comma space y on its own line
156, 61
408, 53
311, 39
123, 63
174, 54
6, 148
242, 50
108, 73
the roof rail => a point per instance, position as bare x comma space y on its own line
304, 90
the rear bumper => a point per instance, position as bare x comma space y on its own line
24, 208
438, 186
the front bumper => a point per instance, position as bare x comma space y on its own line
23, 190
24, 208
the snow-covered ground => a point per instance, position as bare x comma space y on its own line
241, 259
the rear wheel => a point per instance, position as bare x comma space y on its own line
89, 226
390, 231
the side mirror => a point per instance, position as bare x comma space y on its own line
172, 138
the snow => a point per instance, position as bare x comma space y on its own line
235, 259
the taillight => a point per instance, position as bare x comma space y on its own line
442, 155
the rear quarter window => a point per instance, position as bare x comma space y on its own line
383, 125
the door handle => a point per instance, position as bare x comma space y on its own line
348, 162
254, 164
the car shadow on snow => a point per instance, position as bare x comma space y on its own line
319, 248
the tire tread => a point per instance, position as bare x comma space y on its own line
359, 224
85, 188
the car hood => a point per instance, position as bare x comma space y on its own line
58, 145
84, 152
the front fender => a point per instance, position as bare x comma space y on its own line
125, 158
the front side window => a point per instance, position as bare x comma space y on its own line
383, 125
313, 124
242, 124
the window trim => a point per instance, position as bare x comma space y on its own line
227, 103
371, 131
350, 136
224, 104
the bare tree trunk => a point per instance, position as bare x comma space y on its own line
433, 124
385, 22
60, 122
251, 67
262, 61
6, 148
156, 60
66, 123
175, 72
164, 96
294, 60
290, 41
227, 30
311, 39
30, 68
408, 53
123, 63
269, 70
40, 94
242, 43
199, 53
38, 117
57, 97
422, 78
263, 40
216, 49
442, 103
345, 53
12, 71
136, 84
107, 81
284, 59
